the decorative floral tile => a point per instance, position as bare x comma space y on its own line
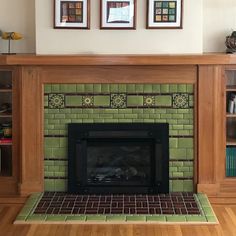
180, 100
88, 101
118, 100
56, 100
149, 101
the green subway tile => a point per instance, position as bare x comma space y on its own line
163, 100
20, 218
141, 218
190, 88
148, 120
178, 127
134, 100
208, 211
68, 88
125, 120
116, 218
36, 218
139, 88
78, 120
165, 88
131, 116
212, 219
105, 88
197, 218
59, 116
156, 88
182, 88
53, 168
96, 218
177, 185
122, 88
176, 218
111, 111
49, 174
184, 121
173, 88
88, 88
161, 111
70, 116
49, 163
155, 116
125, 111
80, 88
143, 116
138, 110
183, 132
147, 88
48, 152
177, 153
171, 111
73, 100
178, 116
63, 142
188, 186
138, 121
54, 132
60, 185
88, 121
102, 100
131, 88
49, 185
56, 88
185, 111
25, 211
81, 116
52, 142
60, 174
76, 111
106, 116
47, 88
177, 163
97, 88
49, 116
177, 174
60, 152
166, 116
185, 142
76, 218
183, 168
114, 88
172, 122
57, 218
173, 132
149, 111
45, 100
93, 116
173, 169
119, 116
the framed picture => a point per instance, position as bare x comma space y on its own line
164, 14
118, 14
73, 14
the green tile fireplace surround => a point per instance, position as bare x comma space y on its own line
119, 103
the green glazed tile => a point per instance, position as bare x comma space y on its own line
73, 100
138, 88
208, 211
76, 218
122, 88
97, 88
36, 218
20, 218
156, 218
47, 88
173, 88
182, 88
114, 88
102, 100
60, 185
165, 88
88, 88
164, 100
56, 88
80, 88
136, 218
178, 185
55, 218
156, 88
134, 100
25, 211
193, 218
177, 174
177, 153
68, 88
212, 219
188, 184
147, 88
131, 88
116, 218
96, 218
49, 185
105, 88
190, 88
176, 218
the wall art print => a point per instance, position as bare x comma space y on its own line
164, 14
72, 14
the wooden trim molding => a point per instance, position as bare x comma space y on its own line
195, 59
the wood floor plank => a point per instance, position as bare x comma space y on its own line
226, 215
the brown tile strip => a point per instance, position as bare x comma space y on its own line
169, 204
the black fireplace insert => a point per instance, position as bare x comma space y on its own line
118, 158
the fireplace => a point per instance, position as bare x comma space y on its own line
118, 158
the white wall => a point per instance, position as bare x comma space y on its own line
19, 16
208, 35
141, 40
219, 17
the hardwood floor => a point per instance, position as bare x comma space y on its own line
226, 215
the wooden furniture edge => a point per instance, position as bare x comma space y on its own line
119, 59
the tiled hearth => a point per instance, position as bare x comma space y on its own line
58, 207
119, 103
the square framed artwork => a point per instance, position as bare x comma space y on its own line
117, 14
72, 14
164, 14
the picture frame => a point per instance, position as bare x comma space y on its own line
118, 14
71, 14
164, 14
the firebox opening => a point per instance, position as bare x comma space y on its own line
118, 158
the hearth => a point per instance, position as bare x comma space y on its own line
118, 158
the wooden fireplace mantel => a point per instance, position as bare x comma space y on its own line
69, 60
205, 71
